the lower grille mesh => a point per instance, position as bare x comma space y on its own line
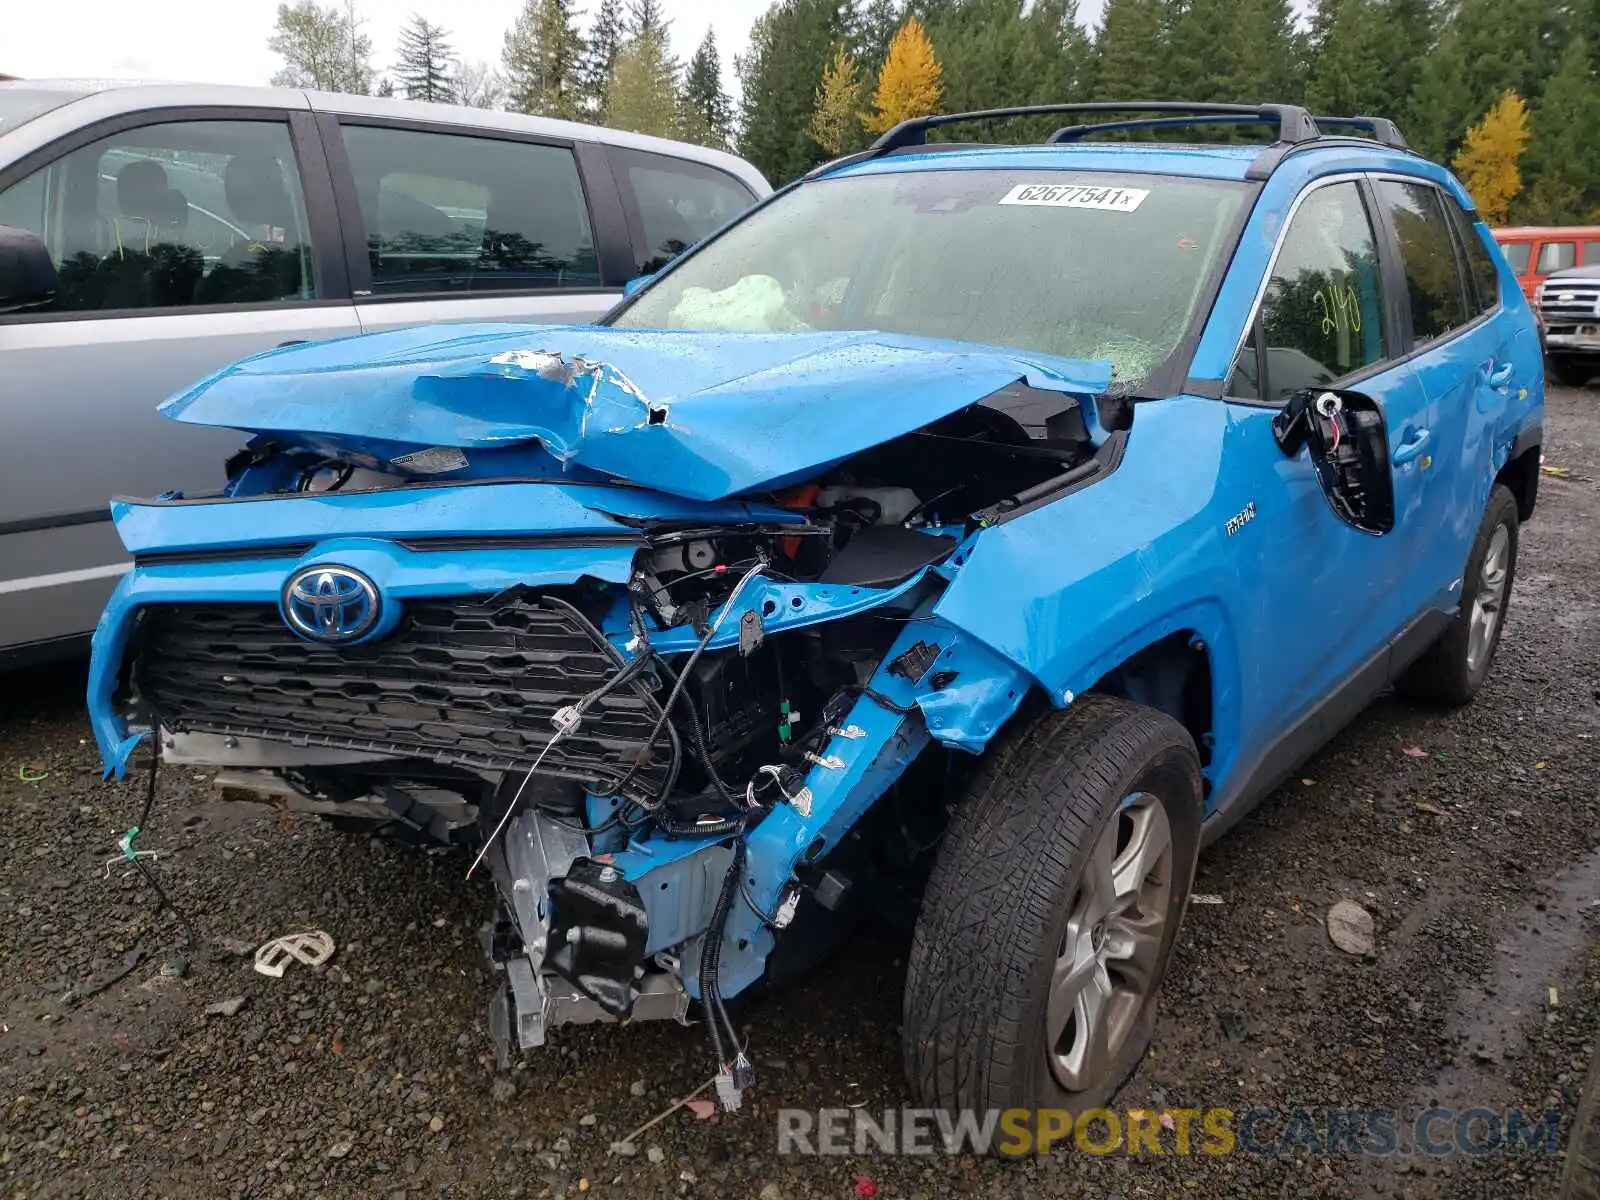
458, 682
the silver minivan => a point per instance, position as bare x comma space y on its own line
190, 225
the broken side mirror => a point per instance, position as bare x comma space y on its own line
1345, 435
27, 276
634, 284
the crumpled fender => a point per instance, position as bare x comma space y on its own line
704, 415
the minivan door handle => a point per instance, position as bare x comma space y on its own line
291, 342
1412, 446
1501, 377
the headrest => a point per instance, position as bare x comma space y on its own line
256, 191
142, 190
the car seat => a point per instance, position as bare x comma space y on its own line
267, 266
148, 266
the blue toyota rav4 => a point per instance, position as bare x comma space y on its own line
968, 531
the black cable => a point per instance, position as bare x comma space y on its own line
190, 940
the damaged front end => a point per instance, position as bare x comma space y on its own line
644, 624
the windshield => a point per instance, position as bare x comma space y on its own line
1079, 264
19, 104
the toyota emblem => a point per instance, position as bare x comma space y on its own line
330, 604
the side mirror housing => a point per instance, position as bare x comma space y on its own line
634, 284
27, 276
1348, 441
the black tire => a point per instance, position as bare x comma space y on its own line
1444, 673
1569, 372
997, 907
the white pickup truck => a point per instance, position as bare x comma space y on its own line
1569, 312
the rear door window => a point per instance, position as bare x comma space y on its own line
172, 215
674, 203
452, 213
1484, 274
1557, 256
1434, 282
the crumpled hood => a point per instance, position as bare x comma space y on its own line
697, 414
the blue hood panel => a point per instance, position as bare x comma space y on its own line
696, 414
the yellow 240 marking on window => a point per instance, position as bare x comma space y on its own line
1342, 312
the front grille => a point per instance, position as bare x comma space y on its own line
461, 682
1583, 305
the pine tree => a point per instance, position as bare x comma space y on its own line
791, 44
707, 116
423, 72
1235, 51
1349, 73
606, 35
1130, 51
543, 56
836, 116
1564, 145
875, 27
999, 53
908, 85
642, 94
322, 48
1487, 163
647, 17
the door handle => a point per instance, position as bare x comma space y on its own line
1501, 377
1411, 447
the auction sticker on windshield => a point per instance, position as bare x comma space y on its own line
1076, 195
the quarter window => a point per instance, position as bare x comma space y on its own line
1433, 274
450, 213
167, 216
1322, 311
678, 203
1557, 256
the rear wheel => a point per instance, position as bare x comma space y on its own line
1571, 372
1051, 915
1453, 669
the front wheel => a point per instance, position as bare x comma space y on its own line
1052, 911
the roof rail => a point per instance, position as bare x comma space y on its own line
1294, 123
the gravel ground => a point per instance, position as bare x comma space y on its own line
1479, 861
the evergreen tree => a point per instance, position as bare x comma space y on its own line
791, 44
1349, 71
1564, 145
707, 116
908, 85
642, 94
1001, 53
543, 57
1130, 51
836, 117
322, 47
423, 71
1487, 163
1235, 51
647, 17
605, 39
876, 24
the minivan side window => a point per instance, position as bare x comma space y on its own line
1557, 256
454, 213
1433, 274
173, 215
1322, 311
1591, 254
1517, 254
678, 202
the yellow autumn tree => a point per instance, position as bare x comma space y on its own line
908, 85
836, 115
1487, 163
